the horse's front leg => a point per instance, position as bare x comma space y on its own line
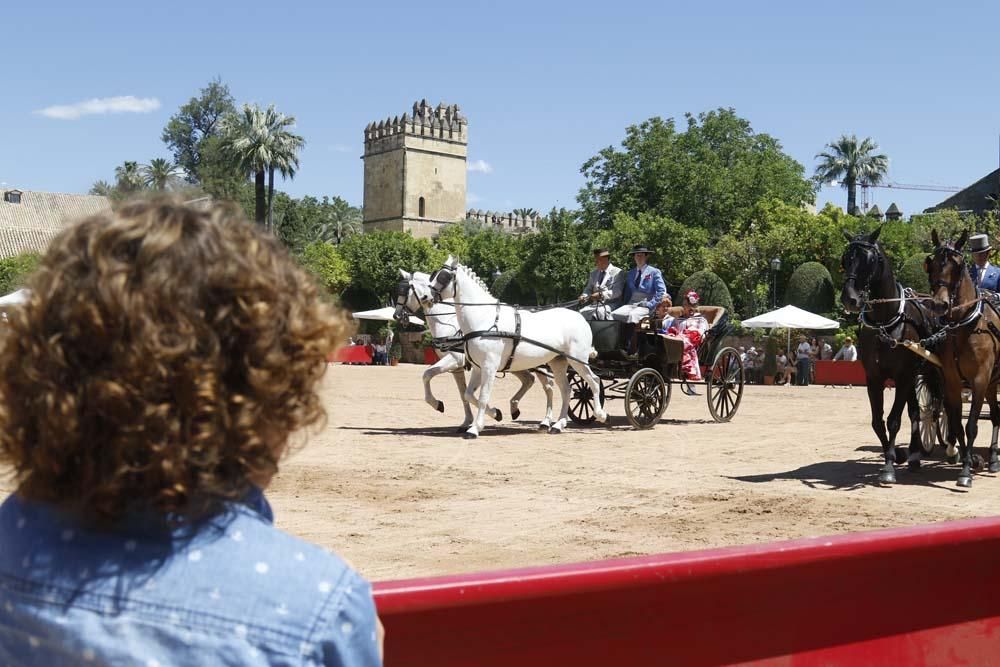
971, 430
527, 379
901, 398
446, 364
875, 401
584, 371
559, 366
487, 377
459, 375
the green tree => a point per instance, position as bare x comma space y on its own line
260, 141
129, 178
103, 189
374, 260
525, 212
851, 162
556, 259
811, 288
709, 176
160, 174
328, 266
195, 123
14, 271
912, 274
710, 288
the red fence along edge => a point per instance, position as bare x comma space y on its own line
914, 596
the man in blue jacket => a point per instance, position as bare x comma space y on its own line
984, 274
644, 289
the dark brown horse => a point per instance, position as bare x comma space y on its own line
970, 350
890, 318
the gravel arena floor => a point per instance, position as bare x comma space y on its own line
390, 486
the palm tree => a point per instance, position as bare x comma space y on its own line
342, 220
103, 189
852, 162
260, 142
161, 174
128, 177
526, 213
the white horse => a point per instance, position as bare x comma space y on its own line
443, 323
558, 337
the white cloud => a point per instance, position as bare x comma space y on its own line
340, 148
101, 105
481, 166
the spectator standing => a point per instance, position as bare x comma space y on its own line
803, 361
781, 368
848, 352
139, 532
825, 351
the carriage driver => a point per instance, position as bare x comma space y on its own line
644, 289
603, 292
985, 275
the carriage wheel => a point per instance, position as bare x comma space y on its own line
581, 399
646, 398
930, 417
725, 385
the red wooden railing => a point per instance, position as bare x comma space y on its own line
914, 596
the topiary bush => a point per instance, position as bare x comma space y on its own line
811, 288
912, 274
710, 288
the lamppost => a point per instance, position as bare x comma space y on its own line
775, 267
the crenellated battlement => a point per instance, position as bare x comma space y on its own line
440, 122
508, 222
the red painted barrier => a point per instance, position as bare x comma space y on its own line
913, 596
430, 356
839, 372
353, 354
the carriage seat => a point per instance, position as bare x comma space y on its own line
674, 345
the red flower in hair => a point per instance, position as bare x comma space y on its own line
692, 297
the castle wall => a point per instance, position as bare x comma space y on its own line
383, 184
436, 171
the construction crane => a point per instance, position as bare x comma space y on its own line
901, 186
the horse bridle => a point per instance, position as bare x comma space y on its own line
953, 285
868, 248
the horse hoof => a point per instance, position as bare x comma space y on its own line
515, 413
440, 406
470, 436
498, 416
964, 482
978, 463
553, 430
887, 478
913, 465
995, 466
543, 425
901, 455
953, 459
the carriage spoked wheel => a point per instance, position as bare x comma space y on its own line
646, 398
725, 384
930, 417
581, 399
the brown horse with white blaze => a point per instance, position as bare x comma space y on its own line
970, 350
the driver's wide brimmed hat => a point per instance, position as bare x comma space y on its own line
640, 248
979, 243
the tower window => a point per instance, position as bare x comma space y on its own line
12, 196
420, 207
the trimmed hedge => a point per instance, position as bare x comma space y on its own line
811, 288
710, 288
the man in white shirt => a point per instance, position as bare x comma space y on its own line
603, 292
848, 352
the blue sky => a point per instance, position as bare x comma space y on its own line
544, 85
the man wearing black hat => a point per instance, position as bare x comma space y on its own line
984, 274
603, 292
644, 288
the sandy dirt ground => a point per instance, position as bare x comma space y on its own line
389, 485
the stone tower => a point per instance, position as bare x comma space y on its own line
415, 170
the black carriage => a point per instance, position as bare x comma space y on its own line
645, 380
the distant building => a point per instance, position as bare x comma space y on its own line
30, 219
875, 212
976, 198
893, 212
415, 170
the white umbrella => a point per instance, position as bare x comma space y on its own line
790, 317
383, 314
15, 298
